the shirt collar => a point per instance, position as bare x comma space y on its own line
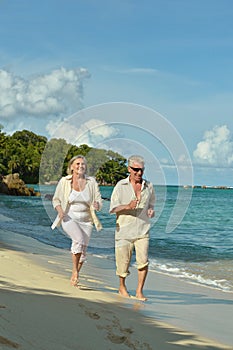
126, 181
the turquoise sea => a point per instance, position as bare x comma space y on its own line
199, 250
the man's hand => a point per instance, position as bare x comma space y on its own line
132, 205
151, 213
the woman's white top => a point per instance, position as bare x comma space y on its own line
61, 197
79, 209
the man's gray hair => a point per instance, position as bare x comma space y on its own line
136, 159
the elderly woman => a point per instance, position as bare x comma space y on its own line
76, 198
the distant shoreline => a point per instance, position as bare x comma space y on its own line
221, 187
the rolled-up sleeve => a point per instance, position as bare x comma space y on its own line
97, 195
57, 195
152, 198
61, 193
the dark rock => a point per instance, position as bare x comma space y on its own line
12, 185
48, 196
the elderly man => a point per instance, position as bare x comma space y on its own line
133, 202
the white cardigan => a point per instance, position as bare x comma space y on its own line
61, 197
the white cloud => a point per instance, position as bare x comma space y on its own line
54, 94
216, 149
92, 132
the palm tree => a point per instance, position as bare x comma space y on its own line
13, 163
111, 172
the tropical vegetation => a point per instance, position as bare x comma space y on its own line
39, 160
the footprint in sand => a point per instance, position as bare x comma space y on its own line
91, 314
8, 343
119, 335
116, 338
115, 332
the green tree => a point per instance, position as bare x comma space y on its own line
74, 151
51, 168
13, 163
29, 148
112, 171
3, 142
37, 159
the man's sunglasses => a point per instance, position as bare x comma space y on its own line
137, 169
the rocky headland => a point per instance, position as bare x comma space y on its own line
14, 186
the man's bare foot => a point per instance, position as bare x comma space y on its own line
123, 292
141, 296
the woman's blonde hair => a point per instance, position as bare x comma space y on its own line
69, 171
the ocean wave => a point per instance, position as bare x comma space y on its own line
185, 273
5, 218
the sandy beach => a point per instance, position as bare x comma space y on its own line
40, 310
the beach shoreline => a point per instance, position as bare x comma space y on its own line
40, 309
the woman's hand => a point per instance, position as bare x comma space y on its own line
96, 205
60, 212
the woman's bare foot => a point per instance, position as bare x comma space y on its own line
74, 280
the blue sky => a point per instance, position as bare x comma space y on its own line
172, 56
